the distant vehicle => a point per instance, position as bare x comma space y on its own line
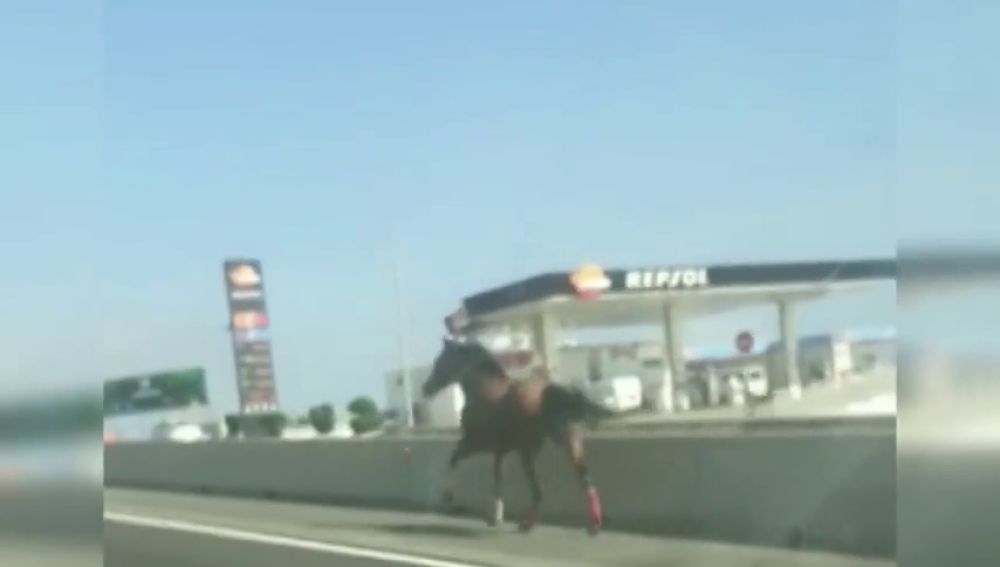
756, 380
747, 385
299, 432
180, 432
613, 381
619, 393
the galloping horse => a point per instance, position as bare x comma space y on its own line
503, 415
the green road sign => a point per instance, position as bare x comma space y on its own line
155, 392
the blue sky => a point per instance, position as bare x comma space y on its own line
148, 141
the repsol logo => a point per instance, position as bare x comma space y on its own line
666, 279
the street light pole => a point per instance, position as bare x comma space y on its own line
404, 350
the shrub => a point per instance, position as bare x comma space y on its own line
366, 416
273, 423
232, 425
366, 423
362, 406
322, 418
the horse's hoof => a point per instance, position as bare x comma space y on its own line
525, 526
527, 522
450, 506
594, 512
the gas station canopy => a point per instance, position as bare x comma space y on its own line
595, 297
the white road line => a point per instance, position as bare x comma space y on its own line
283, 541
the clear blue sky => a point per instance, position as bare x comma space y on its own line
146, 141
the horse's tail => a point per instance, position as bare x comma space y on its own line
562, 405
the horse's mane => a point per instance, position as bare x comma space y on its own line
489, 359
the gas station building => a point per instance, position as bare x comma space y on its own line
542, 306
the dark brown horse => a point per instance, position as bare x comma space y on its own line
503, 415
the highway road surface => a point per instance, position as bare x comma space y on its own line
159, 529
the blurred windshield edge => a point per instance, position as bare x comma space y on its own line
963, 266
948, 363
61, 415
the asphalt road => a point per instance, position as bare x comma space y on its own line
47, 523
133, 546
155, 529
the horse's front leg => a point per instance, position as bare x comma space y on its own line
462, 450
497, 518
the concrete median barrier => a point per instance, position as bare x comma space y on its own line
809, 490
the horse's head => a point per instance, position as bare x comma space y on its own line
448, 368
456, 362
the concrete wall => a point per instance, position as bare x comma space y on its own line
813, 490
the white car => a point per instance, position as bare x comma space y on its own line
180, 432
621, 393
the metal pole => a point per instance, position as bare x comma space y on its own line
673, 359
545, 344
790, 340
236, 364
404, 350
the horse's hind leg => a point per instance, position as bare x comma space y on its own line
497, 518
530, 517
574, 445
